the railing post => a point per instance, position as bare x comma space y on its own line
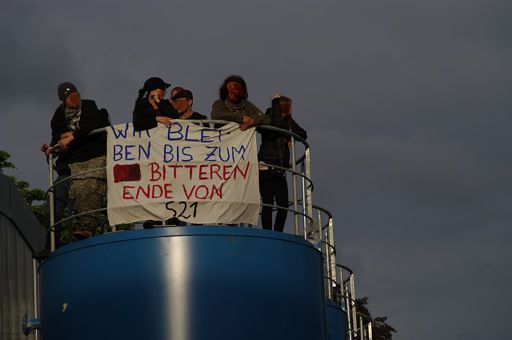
348, 306
294, 185
319, 218
361, 328
340, 284
309, 204
51, 198
353, 299
327, 264
304, 218
332, 252
370, 331
35, 282
324, 257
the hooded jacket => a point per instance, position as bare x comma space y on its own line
274, 148
83, 147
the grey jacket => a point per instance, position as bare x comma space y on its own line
222, 112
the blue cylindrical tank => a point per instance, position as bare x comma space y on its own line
184, 283
336, 321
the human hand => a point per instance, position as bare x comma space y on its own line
164, 120
45, 148
65, 139
247, 123
154, 99
66, 134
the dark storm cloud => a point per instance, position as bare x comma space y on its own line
407, 105
34, 60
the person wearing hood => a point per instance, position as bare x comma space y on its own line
274, 158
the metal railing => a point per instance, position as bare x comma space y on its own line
339, 280
301, 184
310, 221
343, 293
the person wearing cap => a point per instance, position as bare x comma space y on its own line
77, 152
174, 90
183, 101
151, 108
233, 105
274, 158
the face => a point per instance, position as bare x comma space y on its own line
235, 92
73, 100
173, 93
182, 104
158, 92
286, 110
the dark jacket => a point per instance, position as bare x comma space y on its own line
83, 147
144, 115
274, 148
222, 112
195, 116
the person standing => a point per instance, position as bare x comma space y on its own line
150, 107
183, 101
233, 105
174, 90
71, 125
274, 151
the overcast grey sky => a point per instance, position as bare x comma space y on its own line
407, 105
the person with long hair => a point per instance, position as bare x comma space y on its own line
233, 105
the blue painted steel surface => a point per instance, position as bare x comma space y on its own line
336, 322
186, 283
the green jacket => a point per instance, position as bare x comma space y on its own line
222, 112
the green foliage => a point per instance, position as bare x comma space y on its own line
4, 163
381, 330
34, 197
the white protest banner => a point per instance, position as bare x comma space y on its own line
195, 173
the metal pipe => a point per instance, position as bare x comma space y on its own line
51, 197
332, 251
341, 285
327, 257
324, 250
294, 185
319, 217
35, 283
304, 221
349, 315
353, 299
309, 191
329, 285
361, 328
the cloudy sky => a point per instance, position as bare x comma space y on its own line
407, 105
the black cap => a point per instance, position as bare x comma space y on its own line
154, 83
183, 94
65, 89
